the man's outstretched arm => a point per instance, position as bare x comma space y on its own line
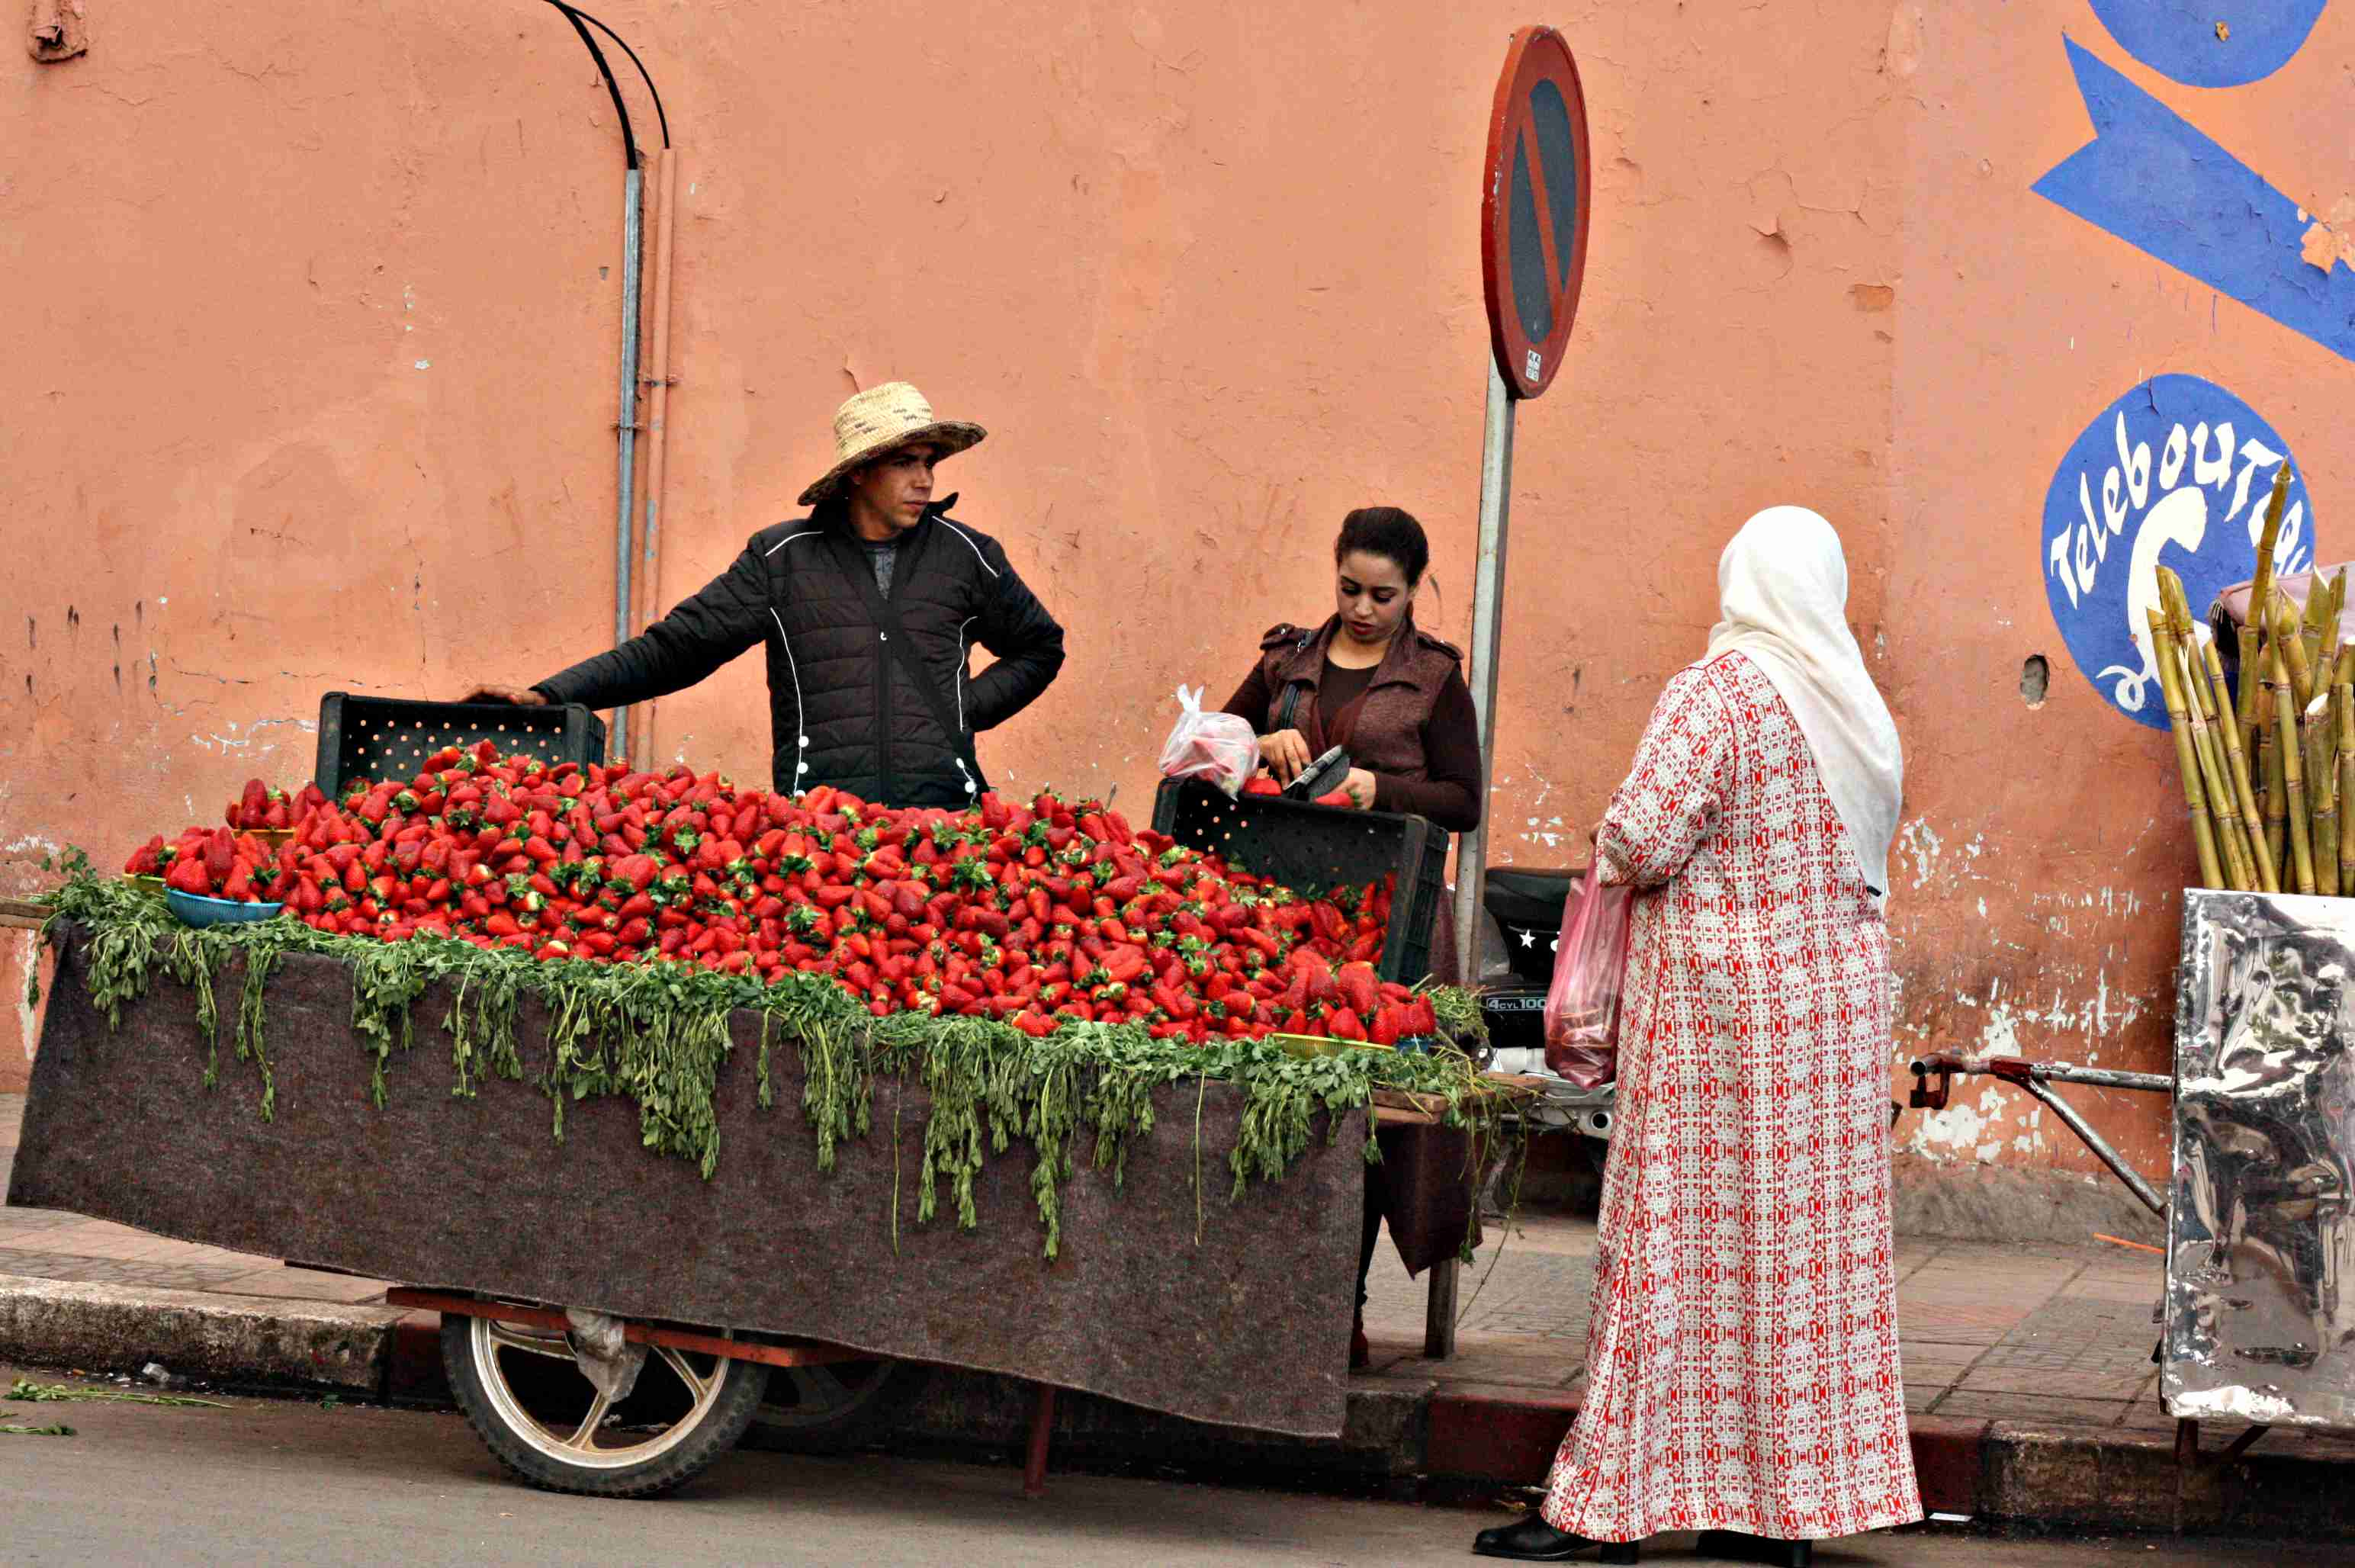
730, 614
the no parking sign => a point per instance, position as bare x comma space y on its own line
1535, 208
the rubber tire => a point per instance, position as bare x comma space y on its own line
722, 1429
899, 1385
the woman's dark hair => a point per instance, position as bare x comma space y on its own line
1388, 532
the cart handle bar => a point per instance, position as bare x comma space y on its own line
2021, 1070
2037, 1078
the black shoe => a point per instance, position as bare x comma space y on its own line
1532, 1540
1736, 1547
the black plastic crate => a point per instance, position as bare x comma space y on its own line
1314, 849
389, 738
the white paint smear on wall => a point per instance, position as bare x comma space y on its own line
27, 945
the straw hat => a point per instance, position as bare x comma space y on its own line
878, 421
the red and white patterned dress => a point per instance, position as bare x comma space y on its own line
1742, 1364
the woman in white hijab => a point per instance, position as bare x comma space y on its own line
1742, 1367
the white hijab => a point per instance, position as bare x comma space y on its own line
1781, 589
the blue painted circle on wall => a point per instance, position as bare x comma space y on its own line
2175, 473
2210, 43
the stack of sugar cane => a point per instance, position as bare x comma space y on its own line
2264, 776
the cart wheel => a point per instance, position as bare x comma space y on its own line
535, 1408
833, 1408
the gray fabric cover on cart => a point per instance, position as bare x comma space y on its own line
1250, 1328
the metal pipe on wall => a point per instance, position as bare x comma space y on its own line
1487, 627
625, 429
655, 376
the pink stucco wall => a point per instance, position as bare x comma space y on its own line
313, 342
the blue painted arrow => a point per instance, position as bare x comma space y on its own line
2163, 186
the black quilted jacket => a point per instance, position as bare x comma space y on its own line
843, 708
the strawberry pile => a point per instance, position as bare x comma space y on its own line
262, 806
1037, 914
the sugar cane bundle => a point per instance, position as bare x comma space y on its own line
2289, 641
2344, 694
2186, 760
2322, 768
2301, 827
2260, 593
2236, 765
2232, 845
2318, 611
2182, 650
2277, 802
2268, 771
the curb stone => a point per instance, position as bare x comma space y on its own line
220, 1339
2004, 1473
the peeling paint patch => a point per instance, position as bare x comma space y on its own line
29, 956
251, 737
1548, 831
1960, 1128
2331, 242
1918, 839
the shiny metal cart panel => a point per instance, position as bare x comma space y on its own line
2260, 1323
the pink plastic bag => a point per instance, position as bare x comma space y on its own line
1590, 963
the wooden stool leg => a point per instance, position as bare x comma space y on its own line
1042, 1424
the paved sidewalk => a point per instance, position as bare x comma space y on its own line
1990, 1331
2028, 1366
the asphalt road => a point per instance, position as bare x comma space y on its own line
271, 1481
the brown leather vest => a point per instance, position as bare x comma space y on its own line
1386, 735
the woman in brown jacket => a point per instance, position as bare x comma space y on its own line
1369, 681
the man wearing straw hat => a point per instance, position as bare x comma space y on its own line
869, 608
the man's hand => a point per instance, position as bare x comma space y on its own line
525, 698
1286, 753
1359, 788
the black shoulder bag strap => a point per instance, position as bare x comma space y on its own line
1289, 709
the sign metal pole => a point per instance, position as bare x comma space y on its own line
1534, 211
1487, 626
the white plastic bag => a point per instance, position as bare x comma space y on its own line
1217, 748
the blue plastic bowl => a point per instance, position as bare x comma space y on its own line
195, 911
